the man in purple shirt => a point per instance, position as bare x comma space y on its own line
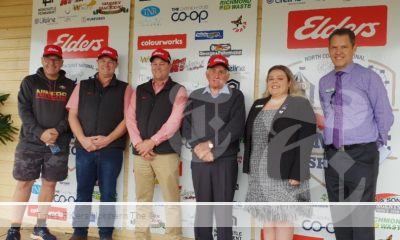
358, 117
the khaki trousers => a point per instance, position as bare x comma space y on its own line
165, 169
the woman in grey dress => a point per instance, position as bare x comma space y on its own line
279, 136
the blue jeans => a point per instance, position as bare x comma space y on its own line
103, 166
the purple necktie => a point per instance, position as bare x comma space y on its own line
338, 119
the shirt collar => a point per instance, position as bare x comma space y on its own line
223, 90
348, 69
159, 84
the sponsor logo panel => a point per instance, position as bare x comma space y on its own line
162, 41
82, 42
208, 35
193, 13
55, 213
232, 5
311, 28
150, 11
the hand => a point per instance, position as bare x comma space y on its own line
49, 136
202, 149
149, 156
143, 148
87, 144
209, 157
100, 141
294, 182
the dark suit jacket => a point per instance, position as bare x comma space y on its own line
290, 139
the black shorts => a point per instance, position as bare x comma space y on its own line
30, 165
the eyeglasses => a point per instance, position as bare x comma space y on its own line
52, 60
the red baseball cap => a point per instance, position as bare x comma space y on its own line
218, 60
160, 53
52, 50
109, 52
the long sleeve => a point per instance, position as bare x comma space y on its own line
382, 110
235, 127
306, 136
131, 123
174, 121
25, 109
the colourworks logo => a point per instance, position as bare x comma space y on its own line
162, 41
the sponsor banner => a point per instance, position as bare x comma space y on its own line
80, 28
55, 213
80, 42
192, 32
162, 41
311, 28
300, 41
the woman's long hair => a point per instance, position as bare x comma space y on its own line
294, 88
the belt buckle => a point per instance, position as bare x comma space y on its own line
341, 149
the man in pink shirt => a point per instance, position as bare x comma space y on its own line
153, 120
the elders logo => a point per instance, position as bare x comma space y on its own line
162, 41
82, 42
311, 28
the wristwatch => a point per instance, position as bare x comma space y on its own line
210, 145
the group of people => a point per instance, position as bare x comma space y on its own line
278, 134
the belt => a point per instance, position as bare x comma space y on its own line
345, 148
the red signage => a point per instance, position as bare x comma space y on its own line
311, 28
55, 213
84, 42
162, 41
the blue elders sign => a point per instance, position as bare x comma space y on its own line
150, 11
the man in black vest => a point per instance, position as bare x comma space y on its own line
213, 124
96, 117
153, 119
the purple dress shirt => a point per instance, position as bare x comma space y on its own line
367, 114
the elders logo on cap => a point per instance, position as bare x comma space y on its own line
109, 52
160, 53
218, 60
52, 50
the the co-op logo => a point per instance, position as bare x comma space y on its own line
317, 226
183, 14
150, 11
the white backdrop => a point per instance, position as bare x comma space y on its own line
295, 34
81, 28
192, 31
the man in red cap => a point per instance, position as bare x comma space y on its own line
213, 124
153, 120
96, 117
43, 146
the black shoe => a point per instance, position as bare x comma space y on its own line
13, 234
42, 233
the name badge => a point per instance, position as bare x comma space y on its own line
329, 90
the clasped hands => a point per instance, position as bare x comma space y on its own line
145, 149
94, 143
203, 152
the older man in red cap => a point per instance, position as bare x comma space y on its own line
213, 124
153, 120
96, 117
43, 146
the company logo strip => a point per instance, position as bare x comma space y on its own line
82, 42
311, 28
162, 41
207, 35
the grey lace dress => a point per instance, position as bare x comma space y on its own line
262, 188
